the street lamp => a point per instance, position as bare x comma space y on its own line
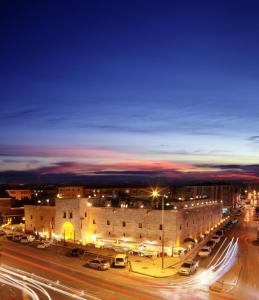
155, 194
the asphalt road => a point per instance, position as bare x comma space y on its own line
109, 284
119, 284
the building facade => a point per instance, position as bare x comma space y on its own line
79, 221
40, 219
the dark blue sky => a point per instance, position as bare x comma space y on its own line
111, 83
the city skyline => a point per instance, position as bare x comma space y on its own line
139, 89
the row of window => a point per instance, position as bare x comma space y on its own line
41, 218
70, 215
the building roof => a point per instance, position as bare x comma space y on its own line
4, 194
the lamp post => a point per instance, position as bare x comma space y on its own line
163, 231
155, 194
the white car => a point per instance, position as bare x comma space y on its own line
216, 238
188, 268
43, 245
31, 238
99, 264
204, 252
24, 240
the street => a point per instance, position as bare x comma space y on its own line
232, 278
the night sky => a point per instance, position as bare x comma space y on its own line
130, 87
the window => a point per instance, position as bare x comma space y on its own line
109, 233
52, 219
85, 214
41, 217
160, 238
187, 224
139, 225
160, 227
108, 222
193, 222
93, 221
180, 227
64, 215
123, 224
124, 234
140, 236
31, 217
70, 215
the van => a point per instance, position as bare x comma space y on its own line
119, 260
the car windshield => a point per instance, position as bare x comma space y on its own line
103, 261
119, 259
186, 265
204, 250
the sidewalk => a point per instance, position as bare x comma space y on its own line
153, 267
229, 280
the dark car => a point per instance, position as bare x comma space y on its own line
2, 232
211, 244
76, 252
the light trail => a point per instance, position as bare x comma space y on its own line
200, 283
34, 285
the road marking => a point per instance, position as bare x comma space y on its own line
112, 287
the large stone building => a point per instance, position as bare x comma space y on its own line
40, 219
78, 220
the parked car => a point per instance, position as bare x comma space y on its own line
17, 238
119, 260
10, 236
216, 238
43, 245
2, 233
211, 244
24, 240
76, 252
99, 264
219, 233
188, 268
204, 252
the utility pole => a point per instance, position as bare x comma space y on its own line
163, 232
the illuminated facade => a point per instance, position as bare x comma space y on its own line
77, 220
40, 219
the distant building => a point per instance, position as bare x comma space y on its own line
20, 194
70, 191
225, 193
8, 211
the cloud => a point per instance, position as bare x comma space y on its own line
254, 138
60, 151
